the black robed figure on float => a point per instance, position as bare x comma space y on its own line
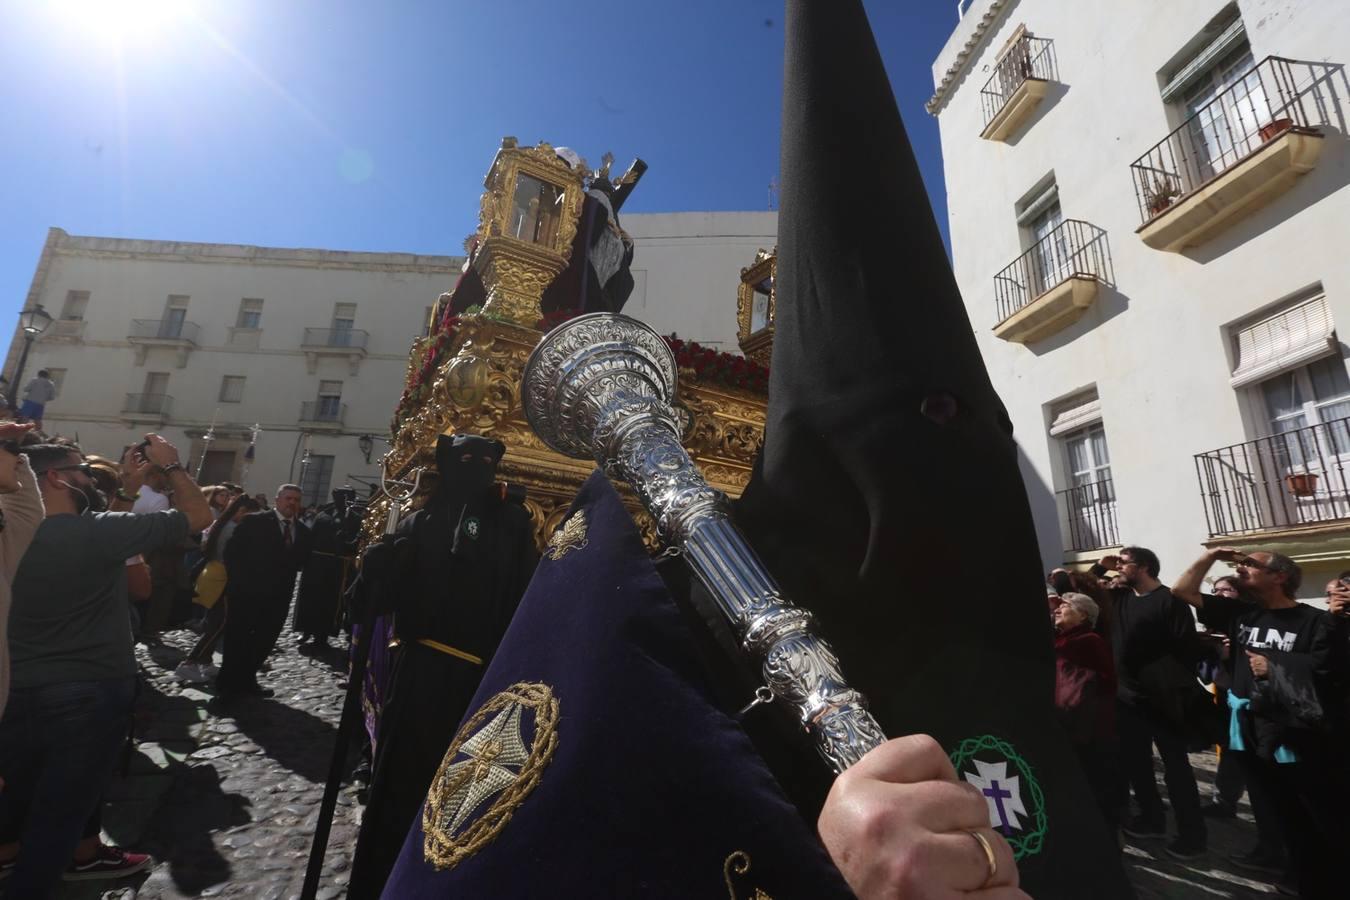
458, 571
333, 538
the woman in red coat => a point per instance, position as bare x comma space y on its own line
1085, 694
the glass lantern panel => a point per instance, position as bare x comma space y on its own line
536, 209
759, 311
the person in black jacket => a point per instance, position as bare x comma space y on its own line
261, 560
1288, 662
1154, 644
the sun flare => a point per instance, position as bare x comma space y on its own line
122, 20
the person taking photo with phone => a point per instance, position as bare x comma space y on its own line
1288, 665
73, 671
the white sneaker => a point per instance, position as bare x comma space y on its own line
189, 673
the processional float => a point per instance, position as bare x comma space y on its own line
602, 388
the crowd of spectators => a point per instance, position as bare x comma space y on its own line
97, 554
1243, 667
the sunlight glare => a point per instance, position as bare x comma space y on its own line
121, 20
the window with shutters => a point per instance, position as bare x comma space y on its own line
1088, 502
1290, 361
250, 313
344, 320
318, 475
232, 389
175, 316
76, 303
1280, 340
329, 400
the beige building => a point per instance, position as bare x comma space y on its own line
311, 346
1148, 203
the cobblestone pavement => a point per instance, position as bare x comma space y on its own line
226, 797
1156, 875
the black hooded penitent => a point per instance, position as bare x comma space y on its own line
889, 477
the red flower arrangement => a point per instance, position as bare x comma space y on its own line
710, 366
419, 381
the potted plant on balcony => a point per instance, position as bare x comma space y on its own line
1301, 484
1161, 193
1274, 128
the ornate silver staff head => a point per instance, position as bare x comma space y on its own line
601, 387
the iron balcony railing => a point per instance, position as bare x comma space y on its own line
327, 411
1030, 57
164, 330
1075, 249
1294, 478
1089, 512
1274, 96
343, 338
148, 404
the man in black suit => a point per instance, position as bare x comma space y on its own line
261, 560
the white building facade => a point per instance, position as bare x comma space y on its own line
1148, 204
311, 346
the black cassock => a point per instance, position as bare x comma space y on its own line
462, 602
333, 541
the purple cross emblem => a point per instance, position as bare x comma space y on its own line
998, 795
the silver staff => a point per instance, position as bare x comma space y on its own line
600, 387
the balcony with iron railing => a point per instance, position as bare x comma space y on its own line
1289, 481
153, 407
1053, 283
1088, 516
176, 334
342, 339
324, 412
348, 343
171, 331
1237, 152
1021, 79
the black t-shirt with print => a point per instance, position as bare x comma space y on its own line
1291, 629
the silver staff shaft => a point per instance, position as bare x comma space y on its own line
600, 386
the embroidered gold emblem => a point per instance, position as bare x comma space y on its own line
739, 862
571, 536
488, 764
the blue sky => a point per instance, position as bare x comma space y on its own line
355, 125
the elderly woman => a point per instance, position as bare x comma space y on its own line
1085, 694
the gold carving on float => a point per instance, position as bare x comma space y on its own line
756, 306
476, 385
528, 219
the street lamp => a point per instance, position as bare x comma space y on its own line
366, 443
33, 322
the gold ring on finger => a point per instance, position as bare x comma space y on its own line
988, 854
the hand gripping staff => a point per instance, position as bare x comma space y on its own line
601, 387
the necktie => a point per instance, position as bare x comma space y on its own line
286, 532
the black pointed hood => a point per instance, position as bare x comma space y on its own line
887, 497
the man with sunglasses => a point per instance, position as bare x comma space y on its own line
73, 672
1288, 665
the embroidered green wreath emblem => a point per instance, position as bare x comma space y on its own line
1026, 842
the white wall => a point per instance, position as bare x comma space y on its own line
1155, 346
686, 268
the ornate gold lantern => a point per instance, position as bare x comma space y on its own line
527, 223
755, 307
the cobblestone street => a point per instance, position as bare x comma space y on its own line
226, 798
